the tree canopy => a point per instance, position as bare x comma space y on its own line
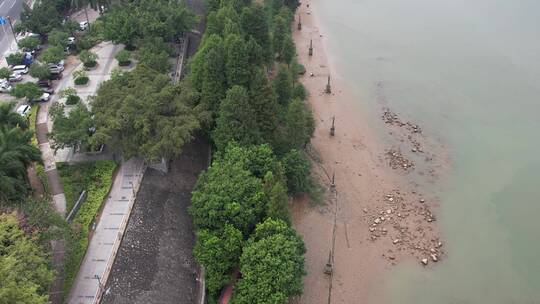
272, 265
142, 113
24, 270
71, 130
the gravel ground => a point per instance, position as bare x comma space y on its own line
155, 262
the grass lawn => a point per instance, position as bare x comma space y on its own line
96, 179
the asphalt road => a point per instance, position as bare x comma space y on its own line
13, 9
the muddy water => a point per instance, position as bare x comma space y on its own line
468, 71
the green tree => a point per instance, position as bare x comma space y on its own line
71, 130
142, 113
254, 23
15, 58
272, 265
298, 127
4, 73
265, 106
279, 34
9, 118
88, 58
153, 53
283, 84
29, 43
276, 191
23, 265
41, 19
123, 57
227, 193
218, 252
258, 160
29, 90
297, 171
53, 54
236, 120
121, 26
58, 38
288, 51
39, 71
237, 65
16, 154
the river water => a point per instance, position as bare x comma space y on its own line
468, 71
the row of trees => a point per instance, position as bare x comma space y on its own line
246, 73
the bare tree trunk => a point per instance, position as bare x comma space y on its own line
86, 13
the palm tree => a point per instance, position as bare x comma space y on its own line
11, 119
16, 154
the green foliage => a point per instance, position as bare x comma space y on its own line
283, 84
4, 73
142, 113
123, 57
88, 58
39, 71
53, 54
71, 130
298, 127
15, 59
24, 269
42, 18
154, 53
58, 38
237, 65
265, 106
254, 23
29, 90
288, 50
218, 252
9, 118
276, 191
299, 92
80, 77
29, 43
279, 33
297, 168
236, 120
258, 160
16, 155
272, 265
146, 19
96, 179
227, 193
42, 176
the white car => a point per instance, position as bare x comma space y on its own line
71, 40
23, 110
43, 98
15, 77
20, 69
83, 25
5, 87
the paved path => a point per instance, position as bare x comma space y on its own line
107, 237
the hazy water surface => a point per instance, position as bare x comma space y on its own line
469, 73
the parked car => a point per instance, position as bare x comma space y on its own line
44, 83
71, 40
47, 90
55, 76
20, 69
43, 98
55, 69
5, 87
15, 77
83, 25
23, 110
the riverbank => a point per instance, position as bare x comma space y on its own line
378, 218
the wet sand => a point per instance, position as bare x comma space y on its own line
381, 218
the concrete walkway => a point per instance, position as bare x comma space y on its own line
107, 237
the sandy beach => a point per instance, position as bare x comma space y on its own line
375, 218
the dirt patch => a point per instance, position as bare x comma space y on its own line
155, 262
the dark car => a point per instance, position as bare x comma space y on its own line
47, 90
55, 76
44, 83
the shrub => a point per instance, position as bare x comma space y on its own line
299, 92
53, 54
72, 99
123, 57
88, 58
81, 80
28, 43
15, 59
39, 71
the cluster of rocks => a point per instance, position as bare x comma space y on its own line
398, 161
392, 118
406, 225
